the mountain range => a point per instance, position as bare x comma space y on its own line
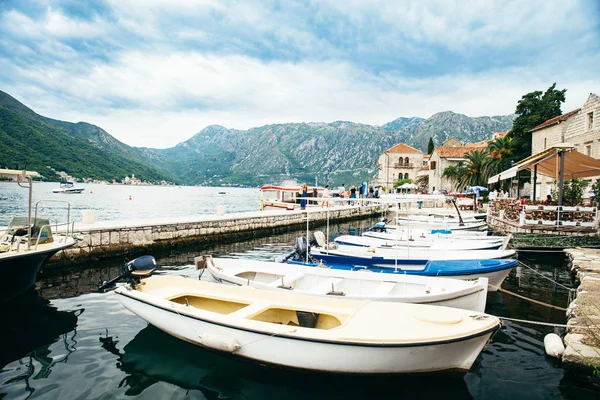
335, 152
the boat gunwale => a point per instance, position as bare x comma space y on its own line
461, 290
30, 252
183, 313
380, 298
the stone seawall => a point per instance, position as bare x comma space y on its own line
582, 342
108, 239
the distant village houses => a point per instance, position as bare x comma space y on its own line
405, 162
132, 181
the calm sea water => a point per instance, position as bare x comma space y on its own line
66, 341
112, 202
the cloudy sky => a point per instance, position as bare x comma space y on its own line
155, 72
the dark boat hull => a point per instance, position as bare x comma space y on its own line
20, 272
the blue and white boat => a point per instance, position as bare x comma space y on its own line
492, 264
494, 270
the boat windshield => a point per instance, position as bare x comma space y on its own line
40, 226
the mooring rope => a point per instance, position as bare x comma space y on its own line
521, 263
526, 298
524, 321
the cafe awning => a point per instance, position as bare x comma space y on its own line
548, 162
577, 165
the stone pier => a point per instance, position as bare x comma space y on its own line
582, 342
108, 239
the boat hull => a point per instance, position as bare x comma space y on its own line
314, 355
20, 271
495, 275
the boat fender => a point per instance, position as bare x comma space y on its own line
371, 250
554, 345
219, 343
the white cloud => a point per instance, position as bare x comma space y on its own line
152, 93
173, 96
53, 23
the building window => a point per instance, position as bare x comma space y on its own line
590, 121
588, 150
406, 161
406, 175
400, 161
545, 143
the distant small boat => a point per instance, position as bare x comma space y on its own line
68, 188
223, 193
288, 197
327, 335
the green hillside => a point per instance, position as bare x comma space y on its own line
28, 140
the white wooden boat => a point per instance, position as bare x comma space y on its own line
439, 234
327, 282
389, 255
288, 197
311, 333
424, 242
443, 224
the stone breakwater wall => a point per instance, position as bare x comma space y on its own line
582, 342
109, 239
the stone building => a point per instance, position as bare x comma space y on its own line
451, 152
580, 128
399, 162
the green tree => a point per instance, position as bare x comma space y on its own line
430, 146
473, 173
533, 109
401, 182
451, 172
500, 152
573, 190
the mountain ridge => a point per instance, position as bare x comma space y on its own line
334, 152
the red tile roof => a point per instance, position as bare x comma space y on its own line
454, 152
403, 148
555, 120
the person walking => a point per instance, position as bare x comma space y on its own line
303, 196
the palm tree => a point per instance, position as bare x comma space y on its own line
499, 152
451, 172
474, 173
423, 181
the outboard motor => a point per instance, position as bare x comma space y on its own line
301, 248
132, 271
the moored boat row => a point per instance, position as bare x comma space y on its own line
360, 304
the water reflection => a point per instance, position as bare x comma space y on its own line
31, 323
30, 326
154, 356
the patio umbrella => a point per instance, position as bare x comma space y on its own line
408, 186
475, 188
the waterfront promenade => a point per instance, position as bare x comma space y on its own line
108, 239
